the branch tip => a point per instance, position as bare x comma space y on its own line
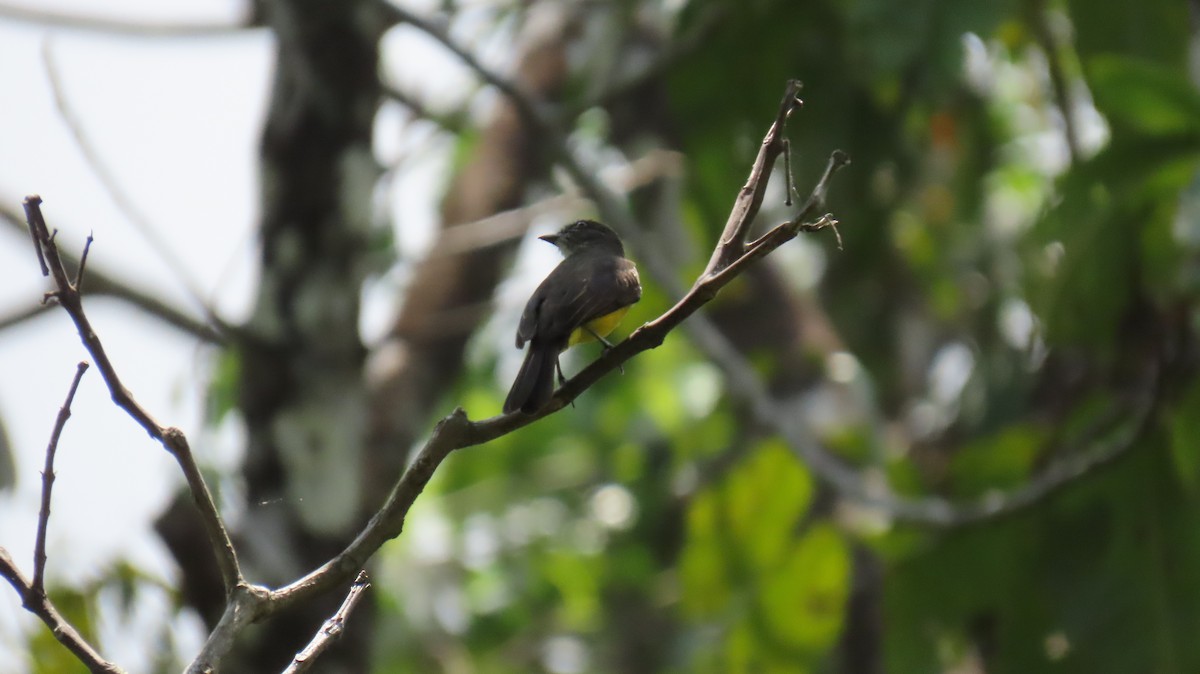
38, 584
87, 246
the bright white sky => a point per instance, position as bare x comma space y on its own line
176, 121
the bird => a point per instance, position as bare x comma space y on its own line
583, 299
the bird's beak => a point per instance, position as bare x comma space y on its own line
549, 238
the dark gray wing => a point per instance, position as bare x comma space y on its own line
600, 286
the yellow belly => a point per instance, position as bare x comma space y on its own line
601, 326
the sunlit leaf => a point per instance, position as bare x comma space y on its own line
804, 602
762, 500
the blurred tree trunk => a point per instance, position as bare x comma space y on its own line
324, 446
301, 361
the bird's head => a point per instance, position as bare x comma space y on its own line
585, 235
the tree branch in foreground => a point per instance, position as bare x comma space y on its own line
33, 592
108, 179
248, 603
43, 524
62, 630
172, 439
331, 630
456, 431
102, 284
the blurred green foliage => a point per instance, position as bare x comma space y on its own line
653, 528
1009, 299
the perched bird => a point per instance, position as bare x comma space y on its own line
582, 299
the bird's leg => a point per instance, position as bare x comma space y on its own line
561, 379
607, 344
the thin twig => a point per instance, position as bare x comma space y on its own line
332, 629
731, 252
172, 439
456, 431
23, 314
743, 383
101, 284
37, 247
525, 107
750, 198
117, 27
790, 187
37, 604
677, 49
43, 523
87, 246
108, 179
453, 122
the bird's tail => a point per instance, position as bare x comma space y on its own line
534, 384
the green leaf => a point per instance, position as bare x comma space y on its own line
1000, 461
1145, 96
703, 571
1185, 438
803, 603
1155, 30
763, 500
743, 528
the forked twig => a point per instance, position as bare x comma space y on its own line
331, 630
172, 439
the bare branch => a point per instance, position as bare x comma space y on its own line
19, 316
331, 630
87, 246
731, 251
39, 544
452, 122
244, 605
456, 431
102, 284
40, 606
119, 27
750, 198
172, 439
525, 106
123, 200
677, 49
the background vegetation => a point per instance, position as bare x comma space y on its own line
1004, 354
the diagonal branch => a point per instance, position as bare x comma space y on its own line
49, 17
108, 179
732, 252
39, 543
750, 198
40, 606
331, 630
457, 431
393, 13
102, 284
172, 439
